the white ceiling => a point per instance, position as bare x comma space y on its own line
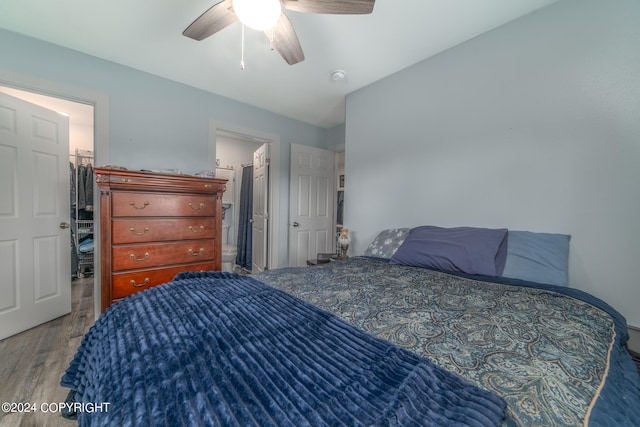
147, 35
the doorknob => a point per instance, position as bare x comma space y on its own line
295, 224
64, 225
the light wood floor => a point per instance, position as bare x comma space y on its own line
32, 362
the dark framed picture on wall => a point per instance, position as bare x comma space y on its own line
341, 181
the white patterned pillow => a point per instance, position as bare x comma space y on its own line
386, 243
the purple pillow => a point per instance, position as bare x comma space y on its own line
467, 249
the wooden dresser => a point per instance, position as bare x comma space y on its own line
153, 226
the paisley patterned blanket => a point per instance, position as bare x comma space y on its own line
556, 355
220, 349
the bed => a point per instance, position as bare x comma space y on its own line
371, 340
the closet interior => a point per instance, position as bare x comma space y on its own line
81, 177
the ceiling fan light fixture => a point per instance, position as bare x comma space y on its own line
258, 14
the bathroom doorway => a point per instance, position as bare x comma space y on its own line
235, 153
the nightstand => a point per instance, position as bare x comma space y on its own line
322, 259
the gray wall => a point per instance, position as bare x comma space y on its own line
335, 137
153, 122
533, 126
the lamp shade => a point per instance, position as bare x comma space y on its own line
257, 14
343, 238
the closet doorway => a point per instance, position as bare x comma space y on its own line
80, 195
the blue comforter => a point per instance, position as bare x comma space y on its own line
555, 354
224, 349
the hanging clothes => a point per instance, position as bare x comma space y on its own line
72, 185
243, 257
82, 176
85, 178
88, 187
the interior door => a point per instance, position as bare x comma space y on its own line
311, 207
35, 252
260, 214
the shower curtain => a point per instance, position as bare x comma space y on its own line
243, 258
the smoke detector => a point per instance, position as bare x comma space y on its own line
337, 75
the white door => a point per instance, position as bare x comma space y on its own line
260, 214
311, 213
35, 252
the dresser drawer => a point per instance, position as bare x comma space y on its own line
131, 203
161, 229
125, 284
133, 257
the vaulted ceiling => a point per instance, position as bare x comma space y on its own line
147, 36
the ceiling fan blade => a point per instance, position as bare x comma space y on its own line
217, 17
339, 7
284, 39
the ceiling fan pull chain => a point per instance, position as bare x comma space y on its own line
242, 58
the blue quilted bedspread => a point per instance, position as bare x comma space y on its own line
223, 349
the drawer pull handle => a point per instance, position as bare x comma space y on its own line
126, 179
197, 230
208, 186
139, 285
196, 253
200, 206
133, 257
133, 205
139, 233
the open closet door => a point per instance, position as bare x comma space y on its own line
35, 240
260, 214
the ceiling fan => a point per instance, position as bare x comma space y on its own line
267, 16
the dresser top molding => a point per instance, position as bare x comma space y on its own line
153, 181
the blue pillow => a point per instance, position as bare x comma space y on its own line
386, 243
538, 257
467, 249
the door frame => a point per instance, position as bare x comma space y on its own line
100, 103
274, 178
